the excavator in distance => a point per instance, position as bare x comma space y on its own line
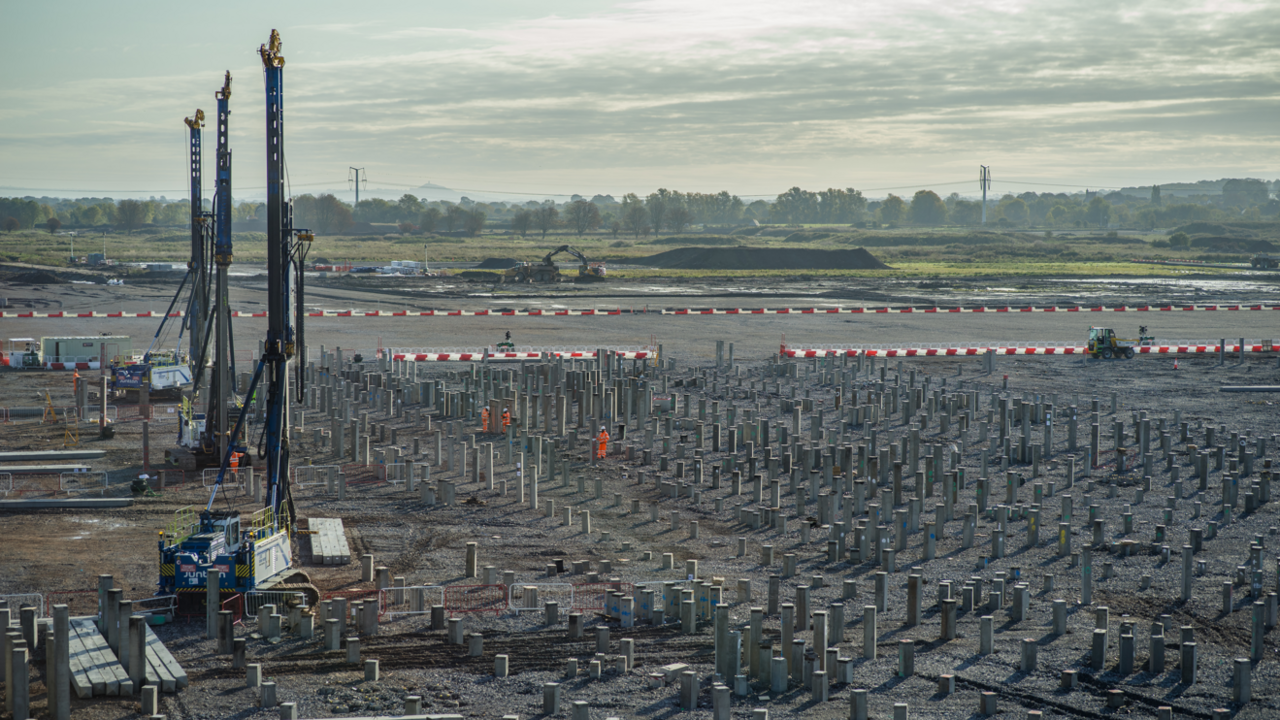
547, 271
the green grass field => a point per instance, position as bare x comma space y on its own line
913, 253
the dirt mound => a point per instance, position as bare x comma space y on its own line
36, 277
497, 264
749, 258
693, 239
1233, 229
480, 276
1233, 244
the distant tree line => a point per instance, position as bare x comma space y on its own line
673, 211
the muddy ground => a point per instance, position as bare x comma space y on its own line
53, 551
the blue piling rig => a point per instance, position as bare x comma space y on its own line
262, 559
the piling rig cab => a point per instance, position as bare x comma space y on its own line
1104, 344
547, 271
253, 555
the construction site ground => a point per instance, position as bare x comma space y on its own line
62, 551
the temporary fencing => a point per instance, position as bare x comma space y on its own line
393, 473
475, 598
234, 605
302, 476
529, 353
156, 605
363, 475
174, 478
93, 413
595, 596
138, 413
6, 483
527, 597
593, 312
415, 600
255, 599
13, 602
1050, 347
78, 482
79, 603
234, 478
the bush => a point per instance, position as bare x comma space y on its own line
1161, 244
1180, 240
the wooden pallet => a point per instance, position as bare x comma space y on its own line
328, 541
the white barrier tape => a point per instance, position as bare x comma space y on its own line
477, 356
679, 311
1018, 350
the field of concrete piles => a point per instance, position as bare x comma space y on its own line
1079, 539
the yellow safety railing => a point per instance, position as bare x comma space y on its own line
265, 522
184, 524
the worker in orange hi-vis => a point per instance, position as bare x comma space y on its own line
604, 442
484, 420
506, 419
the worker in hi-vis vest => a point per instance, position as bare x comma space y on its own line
604, 442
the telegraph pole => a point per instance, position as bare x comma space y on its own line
984, 179
357, 180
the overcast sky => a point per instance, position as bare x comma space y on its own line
586, 97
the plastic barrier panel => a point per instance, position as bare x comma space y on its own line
528, 597
475, 598
595, 596
417, 600
80, 603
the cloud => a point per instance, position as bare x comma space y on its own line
755, 95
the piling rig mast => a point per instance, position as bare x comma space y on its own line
215, 438
177, 371
203, 438
287, 248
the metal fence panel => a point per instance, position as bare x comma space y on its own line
13, 602
234, 478
74, 482
255, 599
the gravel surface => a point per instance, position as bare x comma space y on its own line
64, 550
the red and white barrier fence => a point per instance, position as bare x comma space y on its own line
488, 354
590, 312
1159, 347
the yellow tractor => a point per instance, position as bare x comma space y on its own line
1104, 344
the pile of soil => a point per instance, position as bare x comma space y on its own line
480, 276
1233, 244
749, 258
36, 277
497, 264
